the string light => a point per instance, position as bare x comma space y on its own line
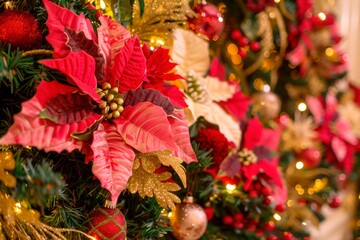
102, 4
302, 107
277, 217
230, 187
299, 165
266, 88
322, 16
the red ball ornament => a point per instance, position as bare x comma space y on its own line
208, 22
236, 35
20, 29
310, 157
106, 223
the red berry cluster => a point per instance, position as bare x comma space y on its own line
259, 189
244, 43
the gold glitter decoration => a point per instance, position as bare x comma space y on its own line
147, 182
302, 187
159, 18
18, 222
299, 134
7, 162
105, 6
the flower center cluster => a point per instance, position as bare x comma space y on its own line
247, 157
111, 101
196, 90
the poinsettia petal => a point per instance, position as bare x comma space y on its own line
180, 133
58, 19
270, 138
250, 172
270, 170
78, 41
133, 97
30, 130
113, 160
217, 69
176, 97
112, 37
316, 108
218, 90
253, 133
230, 166
146, 128
80, 67
237, 106
129, 67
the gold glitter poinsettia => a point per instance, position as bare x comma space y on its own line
299, 134
147, 182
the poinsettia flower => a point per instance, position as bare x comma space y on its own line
257, 159
102, 110
159, 70
334, 131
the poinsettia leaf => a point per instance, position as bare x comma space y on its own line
78, 41
316, 108
133, 97
112, 37
113, 160
30, 130
68, 108
58, 19
181, 137
80, 67
237, 105
87, 134
271, 170
129, 67
146, 128
191, 52
230, 166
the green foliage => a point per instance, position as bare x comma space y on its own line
144, 217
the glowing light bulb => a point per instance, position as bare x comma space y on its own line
302, 107
299, 165
277, 217
230, 187
322, 16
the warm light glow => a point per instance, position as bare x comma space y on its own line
329, 51
266, 88
258, 84
17, 208
290, 203
276, 1
230, 187
232, 49
322, 16
102, 4
170, 215
304, 223
302, 107
277, 217
299, 165
236, 59
311, 191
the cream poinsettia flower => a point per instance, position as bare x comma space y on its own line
203, 93
299, 134
351, 112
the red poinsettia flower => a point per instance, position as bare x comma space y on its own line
257, 160
159, 70
102, 110
334, 131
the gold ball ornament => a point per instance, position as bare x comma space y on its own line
266, 105
188, 221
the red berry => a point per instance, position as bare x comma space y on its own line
242, 52
255, 46
243, 41
209, 211
251, 227
269, 226
307, 238
236, 34
238, 217
253, 194
288, 236
267, 201
335, 202
280, 207
259, 232
266, 191
271, 238
238, 225
227, 220
98, 13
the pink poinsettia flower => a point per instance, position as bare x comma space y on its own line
102, 110
334, 131
257, 161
